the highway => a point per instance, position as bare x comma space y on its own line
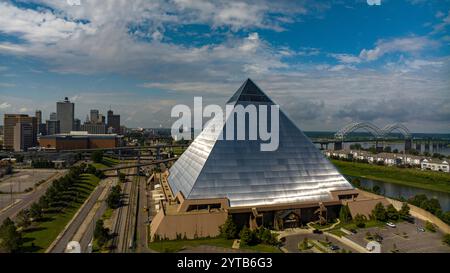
76, 223
28, 199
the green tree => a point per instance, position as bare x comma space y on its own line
23, 218
97, 156
101, 234
392, 213
43, 202
35, 212
122, 177
379, 212
10, 238
404, 211
229, 229
344, 214
246, 236
360, 220
114, 199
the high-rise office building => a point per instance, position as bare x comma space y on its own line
23, 136
94, 116
77, 125
101, 119
41, 127
65, 112
94, 128
114, 122
52, 127
53, 116
38, 117
9, 123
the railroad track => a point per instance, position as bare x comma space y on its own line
124, 227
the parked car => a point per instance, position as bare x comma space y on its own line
353, 231
420, 229
410, 220
390, 224
334, 248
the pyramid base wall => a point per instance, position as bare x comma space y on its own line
188, 226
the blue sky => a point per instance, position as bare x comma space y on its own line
325, 62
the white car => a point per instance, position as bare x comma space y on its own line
390, 224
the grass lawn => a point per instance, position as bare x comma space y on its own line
178, 150
39, 237
99, 166
178, 245
108, 161
262, 248
410, 177
108, 213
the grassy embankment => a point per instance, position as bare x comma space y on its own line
106, 162
178, 245
428, 180
39, 238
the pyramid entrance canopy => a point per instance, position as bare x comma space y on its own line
297, 172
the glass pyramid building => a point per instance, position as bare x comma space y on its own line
297, 172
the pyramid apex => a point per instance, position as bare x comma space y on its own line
249, 92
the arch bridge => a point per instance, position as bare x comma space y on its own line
378, 133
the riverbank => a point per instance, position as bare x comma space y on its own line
409, 177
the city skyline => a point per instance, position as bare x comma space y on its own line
325, 63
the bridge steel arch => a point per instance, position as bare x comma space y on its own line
371, 128
396, 126
403, 130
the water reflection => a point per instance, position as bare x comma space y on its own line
396, 191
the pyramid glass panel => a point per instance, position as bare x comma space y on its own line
296, 172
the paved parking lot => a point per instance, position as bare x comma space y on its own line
292, 241
23, 179
406, 237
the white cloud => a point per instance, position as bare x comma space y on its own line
4, 105
405, 44
346, 58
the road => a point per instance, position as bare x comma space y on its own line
62, 242
28, 199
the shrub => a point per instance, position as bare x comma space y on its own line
430, 227
229, 229
446, 239
392, 213
360, 221
379, 212
344, 214
97, 156
247, 236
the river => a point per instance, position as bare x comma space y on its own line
396, 191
